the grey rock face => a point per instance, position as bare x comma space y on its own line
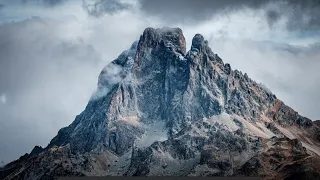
160, 110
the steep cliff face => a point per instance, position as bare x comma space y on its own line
160, 110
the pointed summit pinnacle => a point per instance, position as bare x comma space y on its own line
198, 42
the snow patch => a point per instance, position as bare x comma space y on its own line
133, 120
224, 119
154, 132
182, 58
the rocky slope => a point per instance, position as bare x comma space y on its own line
160, 110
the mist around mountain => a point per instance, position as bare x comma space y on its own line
162, 110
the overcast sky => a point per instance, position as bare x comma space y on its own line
52, 51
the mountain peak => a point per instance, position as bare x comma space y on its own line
160, 111
166, 42
199, 42
164, 36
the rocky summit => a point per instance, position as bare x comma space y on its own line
160, 110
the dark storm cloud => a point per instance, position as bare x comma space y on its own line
272, 17
96, 8
44, 2
99, 8
34, 2
305, 15
301, 14
194, 11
